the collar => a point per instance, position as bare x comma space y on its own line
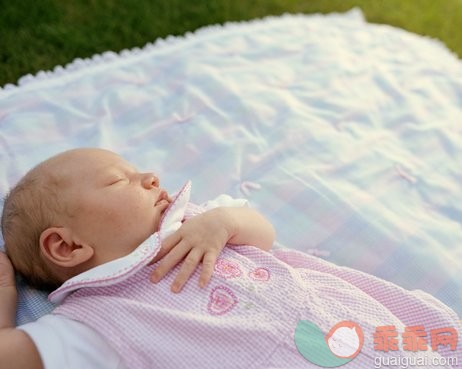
120, 269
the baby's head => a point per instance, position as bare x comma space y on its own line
77, 210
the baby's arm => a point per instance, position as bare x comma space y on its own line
249, 227
201, 239
16, 348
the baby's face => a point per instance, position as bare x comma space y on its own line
113, 207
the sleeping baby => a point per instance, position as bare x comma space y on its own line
143, 279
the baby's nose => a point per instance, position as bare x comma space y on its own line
150, 180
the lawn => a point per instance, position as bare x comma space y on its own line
40, 34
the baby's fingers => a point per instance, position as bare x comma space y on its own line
187, 269
169, 262
167, 245
6, 271
208, 266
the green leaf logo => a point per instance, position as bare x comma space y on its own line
341, 345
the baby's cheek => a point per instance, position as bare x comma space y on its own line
139, 226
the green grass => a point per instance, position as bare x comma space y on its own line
39, 34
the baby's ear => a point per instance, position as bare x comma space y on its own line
59, 246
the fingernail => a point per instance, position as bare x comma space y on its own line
154, 279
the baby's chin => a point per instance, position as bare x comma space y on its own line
161, 207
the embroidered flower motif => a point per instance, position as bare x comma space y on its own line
221, 300
227, 269
260, 274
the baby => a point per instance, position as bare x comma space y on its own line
113, 246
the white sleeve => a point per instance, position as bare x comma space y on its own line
64, 343
225, 200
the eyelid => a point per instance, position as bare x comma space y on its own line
120, 175
117, 179
114, 181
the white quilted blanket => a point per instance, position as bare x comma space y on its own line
347, 135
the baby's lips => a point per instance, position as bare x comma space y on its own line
163, 195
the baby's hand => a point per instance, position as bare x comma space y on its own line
7, 293
198, 240
6, 272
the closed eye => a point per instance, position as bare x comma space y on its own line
116, 180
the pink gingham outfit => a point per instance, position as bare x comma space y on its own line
247, 315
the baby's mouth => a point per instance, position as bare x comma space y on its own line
162, 199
